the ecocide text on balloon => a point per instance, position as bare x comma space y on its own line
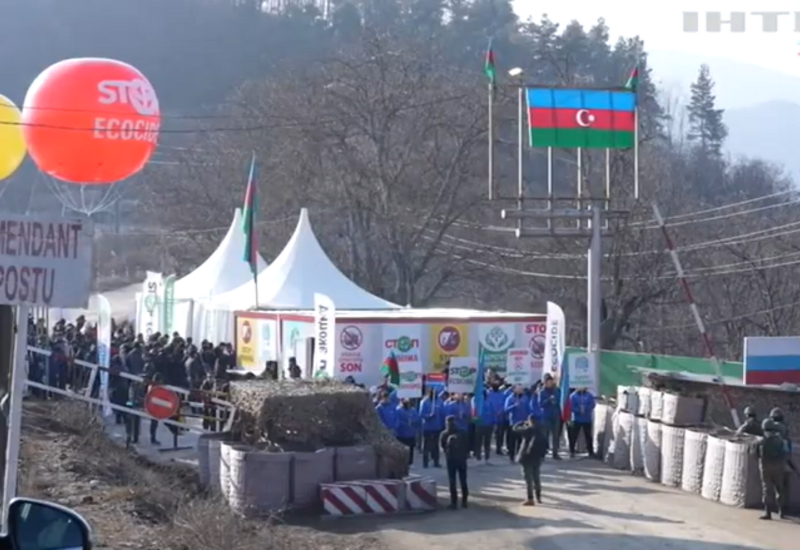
136, 93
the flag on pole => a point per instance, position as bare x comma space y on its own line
488, 65
478, 391
391, 369
632, 83
563, 387
249, 219
580, 118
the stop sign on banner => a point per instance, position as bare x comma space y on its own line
161, 403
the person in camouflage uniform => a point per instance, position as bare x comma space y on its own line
751, 425
772, 459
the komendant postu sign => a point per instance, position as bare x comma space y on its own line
45, 261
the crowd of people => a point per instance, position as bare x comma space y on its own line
157, 359
522, 424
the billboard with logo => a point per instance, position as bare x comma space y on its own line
494, 341
446, 341
255, 343
405, 341
358, 352
462, 375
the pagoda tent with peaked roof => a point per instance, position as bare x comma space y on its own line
223, 271
289, 283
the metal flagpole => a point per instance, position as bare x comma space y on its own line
636, 153
491, 141
607, 190
520, 150
549, 185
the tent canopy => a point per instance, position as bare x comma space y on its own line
223, 271
301, 270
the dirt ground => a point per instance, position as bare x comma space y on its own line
133, 503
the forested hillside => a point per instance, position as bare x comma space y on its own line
377, 121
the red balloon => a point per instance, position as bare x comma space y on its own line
91, 121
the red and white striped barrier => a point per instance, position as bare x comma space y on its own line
420, 493
343, 499
385, 496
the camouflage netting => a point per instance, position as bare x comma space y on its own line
309, 415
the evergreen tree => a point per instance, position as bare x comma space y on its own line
706, 126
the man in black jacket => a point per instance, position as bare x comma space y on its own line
455, 445
533, 447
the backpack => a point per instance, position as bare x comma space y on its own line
773, 448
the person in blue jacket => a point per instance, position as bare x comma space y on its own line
407, 425
582, 411
550, 404
533, 404
516, 408
496, 399
432, 417
459, 410
486, 419
387, 413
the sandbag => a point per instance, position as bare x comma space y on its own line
643, 405
355, 463
656, 404
741, 479
601, 429
309, 470
627, 399
208, 457
694, 456
260, 481
612, 438
713, 468
637, 444
622, 438
672, 439
679, 410
652, 451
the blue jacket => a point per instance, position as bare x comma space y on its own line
582, 405
550, 403
387, 412
496, 399
487, 416
407, 422
431, 413
516, 408
533, 406
460, 410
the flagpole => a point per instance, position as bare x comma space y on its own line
636, 153
549, 185
579, 182
520, 151
491, 141
607, 194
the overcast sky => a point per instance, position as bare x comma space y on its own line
661, 27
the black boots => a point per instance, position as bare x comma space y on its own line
767, 514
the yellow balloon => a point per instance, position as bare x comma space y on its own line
12, 144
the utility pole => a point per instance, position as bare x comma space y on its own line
6, 368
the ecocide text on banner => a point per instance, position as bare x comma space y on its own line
45, 261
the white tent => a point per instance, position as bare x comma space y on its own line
301, 270
223, 271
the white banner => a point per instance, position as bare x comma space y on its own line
582, 372
358, 352
150, 303
556, 341
104, 349
462, 374
324, 335
45, 261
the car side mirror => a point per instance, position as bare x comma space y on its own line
40, 525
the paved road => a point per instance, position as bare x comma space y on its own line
587, 507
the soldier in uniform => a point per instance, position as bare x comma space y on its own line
772, 464
751, 425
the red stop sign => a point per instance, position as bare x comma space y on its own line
161, 403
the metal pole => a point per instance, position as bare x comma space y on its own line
18, 377
520, 150
594, 297
491, 142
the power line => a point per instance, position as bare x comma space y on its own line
720, 321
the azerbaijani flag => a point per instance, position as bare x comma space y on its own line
391, 369
478, 390
488, 65
249, 220
572, 118
563, 387
632, 83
